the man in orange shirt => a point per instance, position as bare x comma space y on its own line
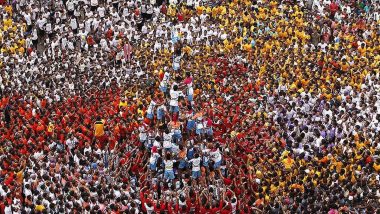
99, 132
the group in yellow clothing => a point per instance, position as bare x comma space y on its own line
11, 35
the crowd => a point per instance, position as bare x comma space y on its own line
190, 106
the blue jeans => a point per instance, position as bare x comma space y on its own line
195, 174
190, 125
176, 67
153, 166
199, 131
174, 109
169, 174
217, 164
163, 88
149, 116
177, 136
160, 114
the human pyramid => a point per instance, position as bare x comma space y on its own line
189, 106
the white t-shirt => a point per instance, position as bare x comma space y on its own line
73, 24
70, 6
165, 80
8, 210
169, 164
151, 107
196, 163
101, 11
174, 95
28, 19
216, 156
70, 143
168, 140
48, 27
153, 158
94, 2
143, 136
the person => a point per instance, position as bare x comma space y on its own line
164, 82
153, 159
195, 164
169, 173
175, 94
284, 94
99, 132
99, 128
190, 125
7, 114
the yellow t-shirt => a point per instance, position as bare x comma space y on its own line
39, 208
376, 167
8, 22
288, 163
8, 9
99, 128
123, 104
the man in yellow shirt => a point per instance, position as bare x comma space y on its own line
99, 128
39, 206
288, 162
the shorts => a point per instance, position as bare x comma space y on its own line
190, 98
160, 114
195, 174
169, 174
174, 109
149, 116
153, 166
176, 66
177, 134
217, 164
102, 139
163, 88
190, 125
199, 131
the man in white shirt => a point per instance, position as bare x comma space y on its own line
153, 159
174, 96
196, 166
71, 143
101, 11
150, 111
164, 82
216, 157
169, 173
94, 5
